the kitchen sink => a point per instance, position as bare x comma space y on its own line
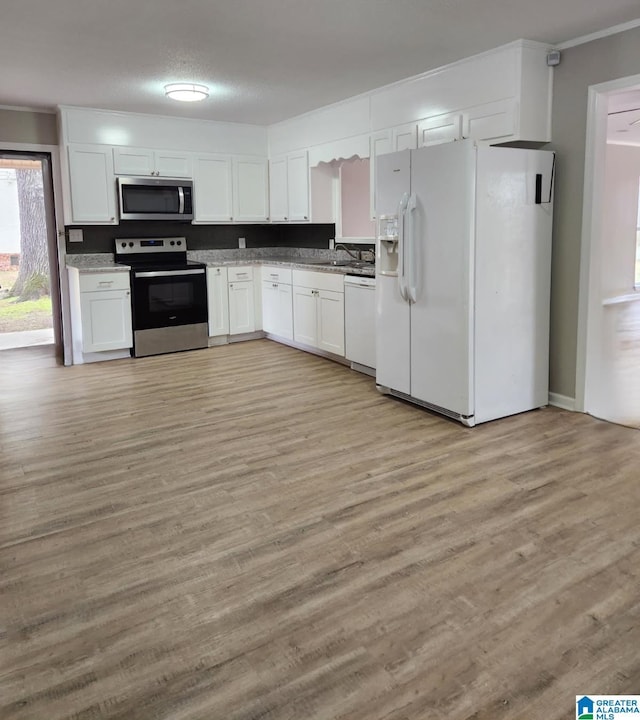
339, 263
350, 263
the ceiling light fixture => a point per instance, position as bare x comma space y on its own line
186, 92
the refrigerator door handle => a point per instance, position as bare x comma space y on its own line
410, 245
402, 278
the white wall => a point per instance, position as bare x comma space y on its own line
599, 61
9, 213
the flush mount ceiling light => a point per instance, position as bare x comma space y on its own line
186, 92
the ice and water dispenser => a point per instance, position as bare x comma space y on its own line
387, 259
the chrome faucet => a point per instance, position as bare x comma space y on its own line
349, 252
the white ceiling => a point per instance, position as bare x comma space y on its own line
265, 60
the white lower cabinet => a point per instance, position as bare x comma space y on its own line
218, 301
277, 301
106, 320
330, 321
318, 310
305, 316
277, 309
100, 314
242, 305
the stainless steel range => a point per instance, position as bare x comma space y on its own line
168, 295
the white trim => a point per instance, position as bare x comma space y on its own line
21, 108
618, 299
562, 401
412, 78
54, 152
589, 301
613, 30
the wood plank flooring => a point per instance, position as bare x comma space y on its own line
251, 532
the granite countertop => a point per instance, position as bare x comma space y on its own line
316, 266
95, 263
317, 260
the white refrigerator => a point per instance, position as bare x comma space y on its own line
463, 274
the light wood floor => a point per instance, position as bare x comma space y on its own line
251, 532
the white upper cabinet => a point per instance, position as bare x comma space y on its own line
404, 137
289, 188
159, 163
250, 190
92, 185
278, 190
298, 186
503, 94
440, 129
213, 188
490, 121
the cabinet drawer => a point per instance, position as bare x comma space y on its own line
90, 282
271, 273
237, 274
318, 280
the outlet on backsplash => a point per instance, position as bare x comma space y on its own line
242, 243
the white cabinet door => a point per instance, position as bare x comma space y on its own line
489, 121
173, 164
269, 306
440, 129
241, 308
305, 320
298, 186
285, 312
218, 301
278, 190
330, 309
404, 137
133, 161
143, 161
212, 186
92, 184
250, 190
106, 320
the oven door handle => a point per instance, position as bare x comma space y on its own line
167, 273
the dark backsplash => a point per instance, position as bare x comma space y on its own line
100, 238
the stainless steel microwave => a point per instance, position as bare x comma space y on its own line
155, 199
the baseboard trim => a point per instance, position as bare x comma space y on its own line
562, 401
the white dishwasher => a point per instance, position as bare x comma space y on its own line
360, 322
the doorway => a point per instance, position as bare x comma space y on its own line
609, 342
29, 295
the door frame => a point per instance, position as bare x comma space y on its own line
56, 239
589, 301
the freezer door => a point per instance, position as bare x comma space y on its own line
392, 181
392, 336
440, 267
393, 178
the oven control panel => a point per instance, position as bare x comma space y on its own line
130, 246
